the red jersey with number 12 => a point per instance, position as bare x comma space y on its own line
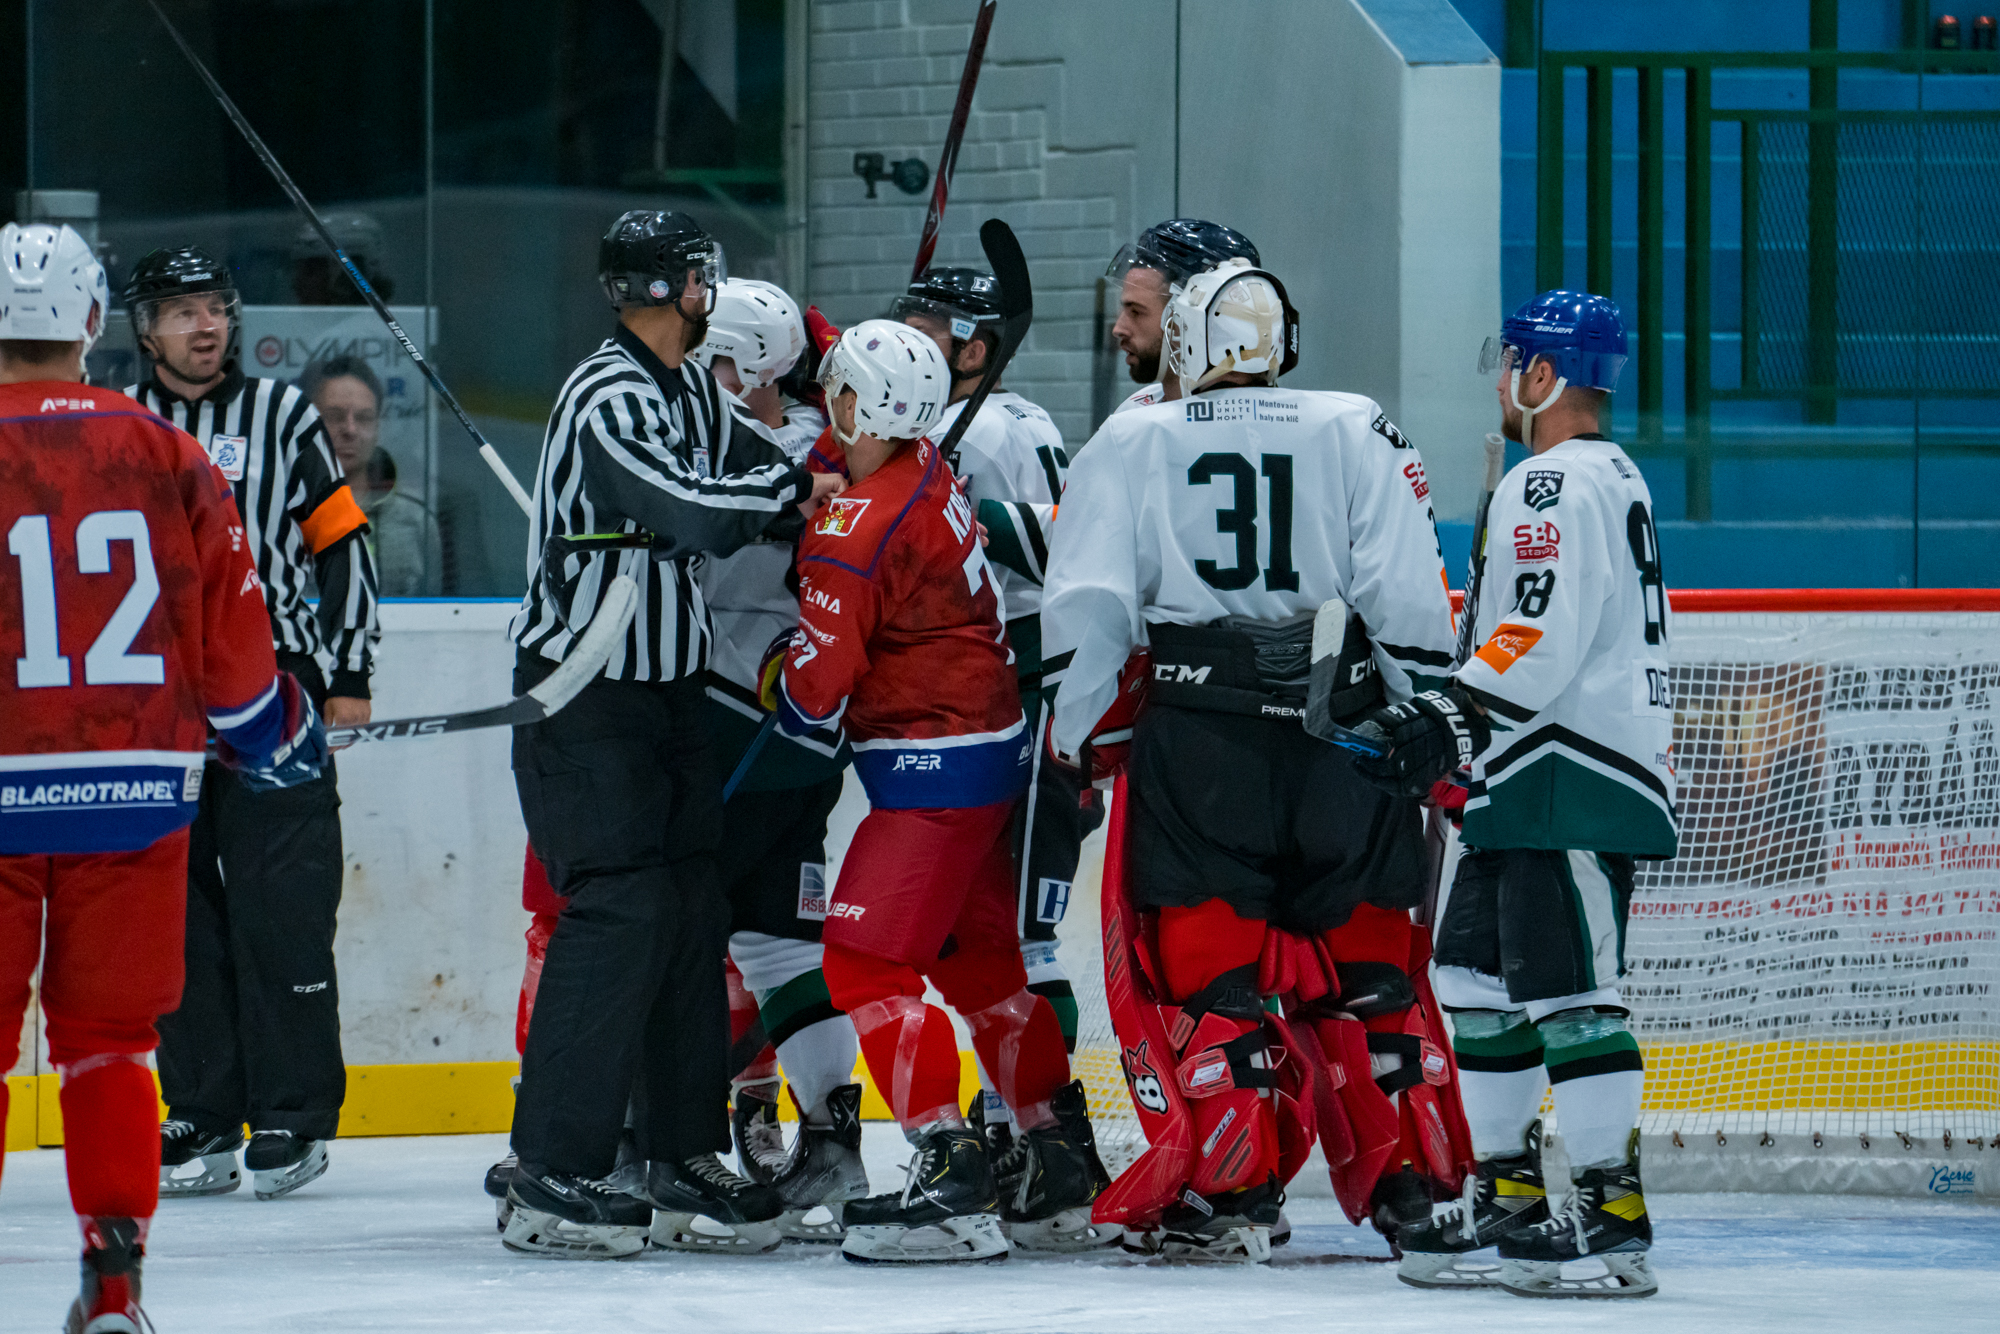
900, 639
130, 617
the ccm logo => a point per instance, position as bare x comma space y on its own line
835, 911
1167, 671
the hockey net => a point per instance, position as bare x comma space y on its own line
1815, 979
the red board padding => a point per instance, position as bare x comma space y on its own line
1822, 599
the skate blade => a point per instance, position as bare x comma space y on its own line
1067, 1233
819, 1223
285, 1180
531, 1232
1626, 1274
1429, 1269
968, 1239
110, 1322
699, 1232
210, 1174
1249, 1244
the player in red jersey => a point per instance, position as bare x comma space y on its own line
899, 640
131, 619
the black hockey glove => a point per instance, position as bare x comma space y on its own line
1429, 736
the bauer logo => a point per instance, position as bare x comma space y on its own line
1544, 489
812, 892
1954, 1181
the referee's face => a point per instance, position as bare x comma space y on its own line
190, 334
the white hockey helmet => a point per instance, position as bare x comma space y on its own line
757, 326
51, 286
1233, 317
898, 377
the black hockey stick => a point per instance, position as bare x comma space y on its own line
1017, 312
1475, 565
586, 659
968, 80
292, 191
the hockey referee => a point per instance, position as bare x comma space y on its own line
257, 1035
621, 791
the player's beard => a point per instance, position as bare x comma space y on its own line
697, 331
1146, 367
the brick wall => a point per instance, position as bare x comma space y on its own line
883, 78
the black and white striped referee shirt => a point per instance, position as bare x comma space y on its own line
631, 446
267, 440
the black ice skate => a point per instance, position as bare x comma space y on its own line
568, 1217
948, 1211
1604, 1220
703, 1206
1049, 1178
999, 1135
195, 1162
760, 1140
1234, 1226
1400, 1199
280, 1162
823, 1171
498, 1178
112, 1259
1504, 1194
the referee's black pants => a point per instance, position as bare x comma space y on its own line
624, 807
257, 1034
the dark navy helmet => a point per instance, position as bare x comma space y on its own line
965, 300
645, 258
1180, 248
1581, 336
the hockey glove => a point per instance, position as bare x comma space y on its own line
1429, 735
299, 752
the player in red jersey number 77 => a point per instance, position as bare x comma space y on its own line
131, 620
899, 640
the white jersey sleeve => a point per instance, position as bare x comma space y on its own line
1011, 452
1250, 502
1572, 666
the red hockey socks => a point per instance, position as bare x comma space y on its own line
111, 1133
1020, 1042
910, 1048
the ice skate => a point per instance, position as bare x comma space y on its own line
703, 1206
948, 1211
1234, 1227
1504, 1194
760, 1140
498, 1178
1049, 1178
998, 1133
280, 1162
568, 1217
193, 1163
112, 1259
1604, 1221
823, 1172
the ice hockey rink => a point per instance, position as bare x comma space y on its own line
397, 1238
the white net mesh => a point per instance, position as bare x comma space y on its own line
1818, 972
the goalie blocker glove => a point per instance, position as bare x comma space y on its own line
1429, 735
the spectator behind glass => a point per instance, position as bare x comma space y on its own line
409, 556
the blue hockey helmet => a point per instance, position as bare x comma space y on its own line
1581, 336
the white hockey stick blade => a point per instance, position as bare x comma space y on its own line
586, 659
1496, 461
1329, 634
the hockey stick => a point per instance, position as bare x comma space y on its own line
265, 156
586, 659
1475, 565
1329, 634
1017, 312
750, 753
975, 55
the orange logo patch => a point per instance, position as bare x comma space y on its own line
840, 516
1509, 642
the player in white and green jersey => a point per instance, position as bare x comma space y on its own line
1564, 717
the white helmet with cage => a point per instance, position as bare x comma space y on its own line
898, 377
51, 286
1234, 317
757, 326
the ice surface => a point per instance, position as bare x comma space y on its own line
398, 1238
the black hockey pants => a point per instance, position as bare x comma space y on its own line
623, 804
257, 1034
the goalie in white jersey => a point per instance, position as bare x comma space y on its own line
1566, 715
1208, 531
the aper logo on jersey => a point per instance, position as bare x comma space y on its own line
1509, 642
1536, 543
918, 763
1143, 1080
840, 516
68, 404
1543, 490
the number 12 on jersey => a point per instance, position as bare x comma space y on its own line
106, 661
1240, 518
